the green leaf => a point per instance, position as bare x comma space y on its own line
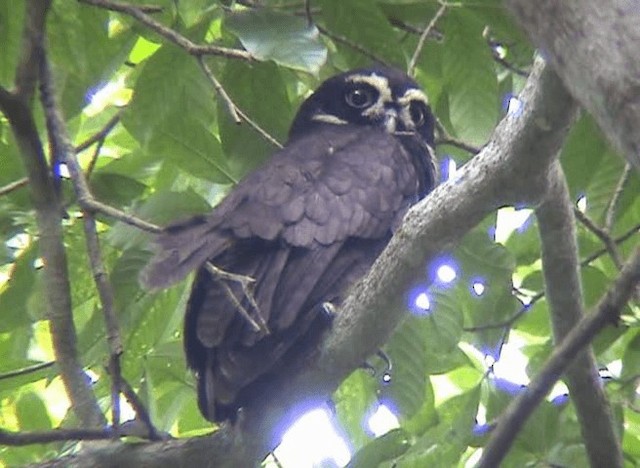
386, 447
443, 444
11, 23
260, 88
115, 189
425, 417
83, 53
408, 355
371, 31
287, 40
355, 397
470, 78
16, 294
172, 112
32, 413
631, 359
582, 154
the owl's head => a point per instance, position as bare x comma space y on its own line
380, 97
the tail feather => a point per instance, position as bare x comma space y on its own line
180, 249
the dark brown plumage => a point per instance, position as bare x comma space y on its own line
305, 226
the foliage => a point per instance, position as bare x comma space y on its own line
176, 150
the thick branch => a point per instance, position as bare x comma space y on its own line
522, 144
564, 295
606, 312
571, 34
16, 108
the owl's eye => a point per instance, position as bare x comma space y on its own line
418, 113
360, 98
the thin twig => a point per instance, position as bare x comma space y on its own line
357, 47
609, 217
601, 234
308, 12
168, 33
231, 107
93, 205
26, 370
449, 140
100, 135
509, 66
259, 129
434, 34
94, 158
236, 113
141, 411
618, 240
509, 321
423, 37
445, 139
14, 186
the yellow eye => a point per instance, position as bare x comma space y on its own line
360, 98
418, 113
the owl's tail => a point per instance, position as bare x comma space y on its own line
180, 249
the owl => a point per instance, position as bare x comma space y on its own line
274, 259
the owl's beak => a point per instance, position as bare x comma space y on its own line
390, 120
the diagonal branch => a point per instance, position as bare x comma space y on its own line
171, 35
14, 186
606, 313
236, 113
601, 234
423, 37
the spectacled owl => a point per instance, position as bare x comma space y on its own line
277, 256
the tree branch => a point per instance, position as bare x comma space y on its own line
14, 186
57, 435
601, 234
61, 144
571, 34
171, 35
26, 370
411, 69
564, 295
16, 108
606, 312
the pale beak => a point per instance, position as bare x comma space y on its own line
390, 120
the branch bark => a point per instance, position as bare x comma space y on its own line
522, 144
17, 108
572, 34
564, 294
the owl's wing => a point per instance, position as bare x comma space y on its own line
339, 182
305, 226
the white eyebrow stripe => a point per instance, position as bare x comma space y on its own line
380, 83
328, 118
413, 94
